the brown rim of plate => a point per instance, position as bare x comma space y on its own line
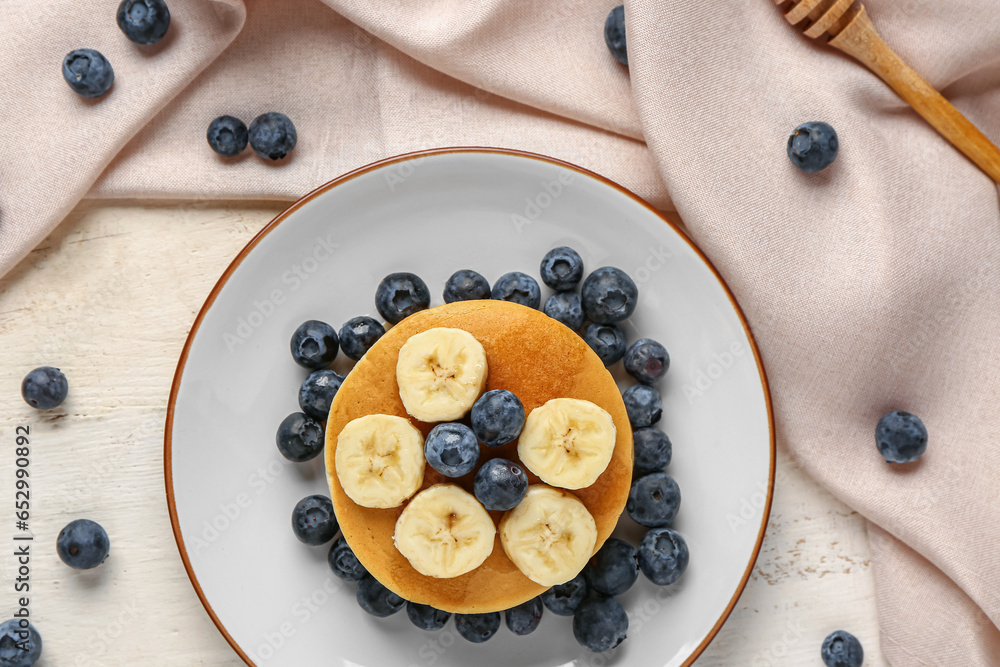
175, 386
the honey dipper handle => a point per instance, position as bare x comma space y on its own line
860, 40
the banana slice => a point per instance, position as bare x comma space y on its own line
567, 442
549, 536
380, 460
440, 373
444, 532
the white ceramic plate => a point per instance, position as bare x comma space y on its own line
231, 493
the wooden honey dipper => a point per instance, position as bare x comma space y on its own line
850, 29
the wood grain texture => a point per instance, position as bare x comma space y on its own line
109, 298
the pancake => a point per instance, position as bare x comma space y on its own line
528, 353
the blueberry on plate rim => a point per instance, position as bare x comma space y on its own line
477, 628
563, 599
600, 624
497, 417
300, 438
359, 334
517, 287
272, 135
88, 72
607, 340
317, 393
646, 360
313, 520
426, 617
653, 451
609, 295
399, 295
643, 405
343, 562
314, 344
613, 569
524, 618
653, 500
376, 599
663, 556
83, 544
466, 285
44, 388
144, 21
562, 269
227, 136
565, 307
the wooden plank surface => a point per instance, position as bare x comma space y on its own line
109, 298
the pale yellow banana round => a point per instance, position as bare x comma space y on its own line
380, 460
549, 536
444, 532
440, 372
567, 442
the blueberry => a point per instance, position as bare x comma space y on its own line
901, 437
343, 562
313, 520
564, 599
500, 484
466, 285
359, 334
562, 269
144, 21
314, 344
663, 555
399, 295
44, 388
600, 624
20, 645
376, 599
813, 147
643, 405
227, 135
317, 392
652, 451
452, 449
300, 437
565, 307
426, 617
272, 135
477, 628
646, 360
83, 544
614, 34
613, 569
525, 617
842, 649
497, 417
607, 340
517, 287
654, 500
88, 72
609, 295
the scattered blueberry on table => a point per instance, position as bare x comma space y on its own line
45, 388
614, 34
613, 569
654, 500
646, 360
562, 269
144, 21
376, 599
300, 437
607, 340
643, 405
901, 437
313, 520
426, 617
524, 618
466, 285
317, 393
564, 599
83, 544
497, 417
88, 72
652, 451
359, 334
399, 295
813, 146
517, 287
314, 344
343, 562
19, 646
842, 649
609, 295
227, 136
452, 449
500, 484
477, 628
600, 624
565, 307
663, 556
272, 135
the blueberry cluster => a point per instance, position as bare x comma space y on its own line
88, 73
271, 135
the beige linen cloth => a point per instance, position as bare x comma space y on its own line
870, 287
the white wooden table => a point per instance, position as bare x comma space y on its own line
109, 299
